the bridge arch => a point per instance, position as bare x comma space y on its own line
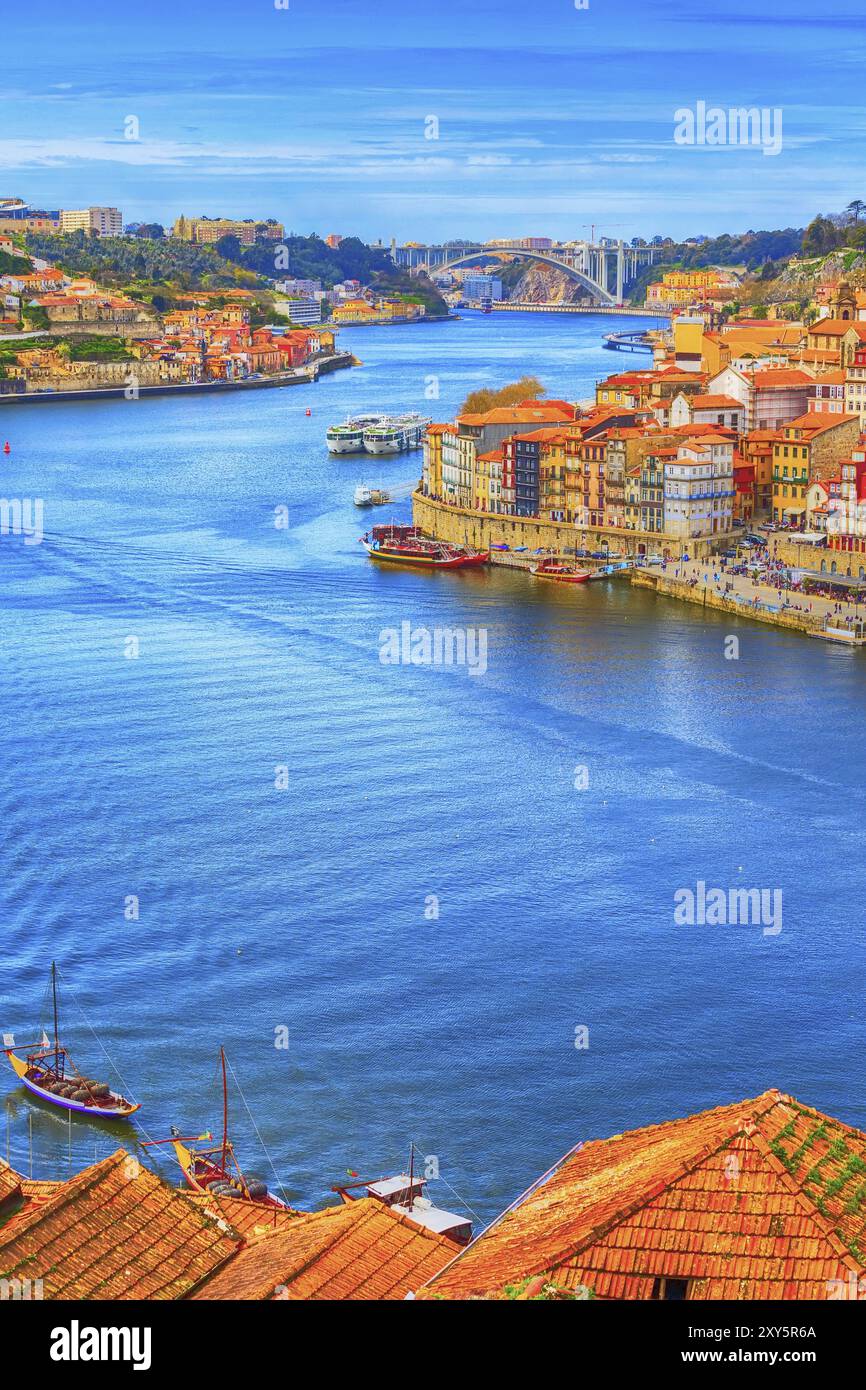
520, 253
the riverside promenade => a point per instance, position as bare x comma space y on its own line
711, 585
295, 376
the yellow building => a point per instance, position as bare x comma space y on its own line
356, 311
805, 451
432, 476
679, 288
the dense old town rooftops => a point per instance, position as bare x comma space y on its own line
118, 1231
764, 1199
363, 1250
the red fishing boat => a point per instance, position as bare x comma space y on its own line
560, 572
216, 1170
48, 1071
405, 545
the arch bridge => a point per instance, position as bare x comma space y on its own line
603, 271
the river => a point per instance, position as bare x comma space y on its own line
230, 823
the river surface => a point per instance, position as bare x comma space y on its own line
423, 880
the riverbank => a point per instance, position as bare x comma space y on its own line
297, 377
700, 584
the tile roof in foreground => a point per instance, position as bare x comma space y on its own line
115, 1231
765, 1199
362, 1250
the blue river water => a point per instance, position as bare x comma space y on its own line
425, 881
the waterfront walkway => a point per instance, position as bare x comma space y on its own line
710, 582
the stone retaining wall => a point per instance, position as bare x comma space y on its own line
483, 529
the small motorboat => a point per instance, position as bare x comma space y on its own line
47, 1071
406, 1195
560, 572
371, 496
216, 1170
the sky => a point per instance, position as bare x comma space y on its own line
547, 119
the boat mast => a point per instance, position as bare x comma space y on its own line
54, 997
411, 1173
225, 1109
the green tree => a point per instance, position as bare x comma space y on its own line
820, 237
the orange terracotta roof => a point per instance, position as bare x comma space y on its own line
716, 403
247, 1218
763, 1199
837, 328
362, 1250
115, 1231
773, 377
518, 415
812, 425
549, 435
10, 1183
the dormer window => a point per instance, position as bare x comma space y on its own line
670, 1290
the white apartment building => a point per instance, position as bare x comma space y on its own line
699, 490
451, 468
103, 221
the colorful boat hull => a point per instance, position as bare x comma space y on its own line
561, 576
425, 559
202, 1173
121, 1110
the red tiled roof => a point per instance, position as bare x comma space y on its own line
716, 403
773, 377
764, 1199
817, 422
362, 1250
10, 1183
116, 1231
518, 415
247, 1218
837, 328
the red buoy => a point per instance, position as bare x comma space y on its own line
7, 448
309, 411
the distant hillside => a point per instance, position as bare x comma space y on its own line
415, 288
308, 258
745, 251
121, 261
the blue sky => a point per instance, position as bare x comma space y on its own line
551, 118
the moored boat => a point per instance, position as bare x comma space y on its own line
216, 1170
48, 1072
348, 438
560, 572
394, 434
405, 545
365, 496
406, 1194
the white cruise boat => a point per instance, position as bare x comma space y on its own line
363, 496
395, 434
348, 438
